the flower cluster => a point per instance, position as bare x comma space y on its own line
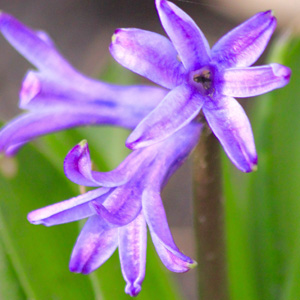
164, 121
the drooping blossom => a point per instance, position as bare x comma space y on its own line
56, 96
201, 78
118, 211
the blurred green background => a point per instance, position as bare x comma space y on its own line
262, 209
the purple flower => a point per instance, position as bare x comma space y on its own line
56, 96
118, 211
200, 77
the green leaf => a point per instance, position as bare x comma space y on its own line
263, 208
39, 255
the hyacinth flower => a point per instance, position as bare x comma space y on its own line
201, 78
118, 211
56, 96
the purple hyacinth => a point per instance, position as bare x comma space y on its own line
200, 77
56, 96
118, 211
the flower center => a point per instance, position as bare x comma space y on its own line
203, 80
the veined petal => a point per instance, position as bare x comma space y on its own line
231, 126
122, 206
243, 45
132, 252
74, 209
171, 261
95, 244
157, 222
29, 126
148, 54
253, 81
189, 41
177, 109
30, 45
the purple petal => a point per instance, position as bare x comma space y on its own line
29, 126
171, 261
162, 238
148, 54
231, 126
78, 168
253, 81
171, 153
189, 41
31, 46
95, 244
122, 206
177, 109
132, 251
74, 209
243, 45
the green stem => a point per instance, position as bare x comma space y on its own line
209, 219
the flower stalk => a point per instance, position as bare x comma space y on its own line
209, 219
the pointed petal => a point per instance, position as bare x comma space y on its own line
74, 209
32, 47
231, 126
172, 261
148, 54
162, 238
122, 206
95, 244
243, 45
178, 108
132, 251
189, 41
253, 81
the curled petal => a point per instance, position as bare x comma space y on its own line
67, 211
243, 45
231, 126
162, 238
132, 251
95, 244
253, 81
177, 109
78, 168
148, 54
189, 41
122, 206
32, 47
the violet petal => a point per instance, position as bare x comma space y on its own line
148, 54
189, 41
95, 244
157, 222
253, 81
122, 205
74, 209
231, 126
132, 251
243, 45
31, 46
177, 109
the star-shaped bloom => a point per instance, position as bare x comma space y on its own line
118, 211
56, 96
201, 78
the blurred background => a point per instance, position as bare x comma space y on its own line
82, 31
